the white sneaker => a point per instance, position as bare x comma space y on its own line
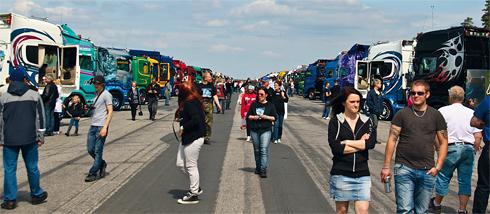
327, 118
324, 118
275, 141
279, 140
248, 138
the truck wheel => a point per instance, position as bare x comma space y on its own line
117, 101
311, 94
387, 111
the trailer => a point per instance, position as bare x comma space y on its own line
389, 62
454, 56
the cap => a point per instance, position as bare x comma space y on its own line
18, 74
99, 79
251, 87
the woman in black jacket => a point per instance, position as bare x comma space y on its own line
350, 136
278, 100
192, 131
260, 117
134, 99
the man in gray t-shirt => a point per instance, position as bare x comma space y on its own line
101, 118
415, 127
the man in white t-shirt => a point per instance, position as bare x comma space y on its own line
97, 134
463, 141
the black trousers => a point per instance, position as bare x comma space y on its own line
134, 107
152, 107
480, 200
57, 120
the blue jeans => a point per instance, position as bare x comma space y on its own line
30, 156
73, 121
49, 113
326, 109
95, 147
278, 127
461, 157
413, 189
261, 148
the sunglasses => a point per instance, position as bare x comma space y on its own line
418, 93
261, 94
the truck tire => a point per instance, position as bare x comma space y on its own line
311, 94
387, 111
117, 100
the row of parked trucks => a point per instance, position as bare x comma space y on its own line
443, 58
42, 48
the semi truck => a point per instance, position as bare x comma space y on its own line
389, 62
348, 62
41, 48
161, 66
77, 73
454, 56
314, 79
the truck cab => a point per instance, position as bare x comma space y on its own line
389, 62
453, 56
314, 77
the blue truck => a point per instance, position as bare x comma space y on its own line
314, 79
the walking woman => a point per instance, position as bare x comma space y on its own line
248, 98
260, 116
192, 131
278, 100
350, 136
134, 100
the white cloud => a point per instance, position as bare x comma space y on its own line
256, 26
24, 7
220, 48
60, 11
262, 7
217, 23
271, 54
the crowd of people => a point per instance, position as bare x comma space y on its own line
453, 132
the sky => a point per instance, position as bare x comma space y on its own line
248, 38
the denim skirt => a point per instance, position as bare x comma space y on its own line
343, 188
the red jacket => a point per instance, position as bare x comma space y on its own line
247, 100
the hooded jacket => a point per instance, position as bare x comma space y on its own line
21, 116
355, 164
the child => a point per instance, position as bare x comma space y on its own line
75, 111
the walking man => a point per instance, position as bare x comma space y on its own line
481, 120
21, 129
463, 140
168, 88
375, 102
152, 92
416, 128
99, 128
228, 92
49, 96
208, 92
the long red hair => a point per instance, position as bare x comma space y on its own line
188, 92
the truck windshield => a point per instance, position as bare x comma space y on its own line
86, 63
362, 76
164, 67
426, 65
